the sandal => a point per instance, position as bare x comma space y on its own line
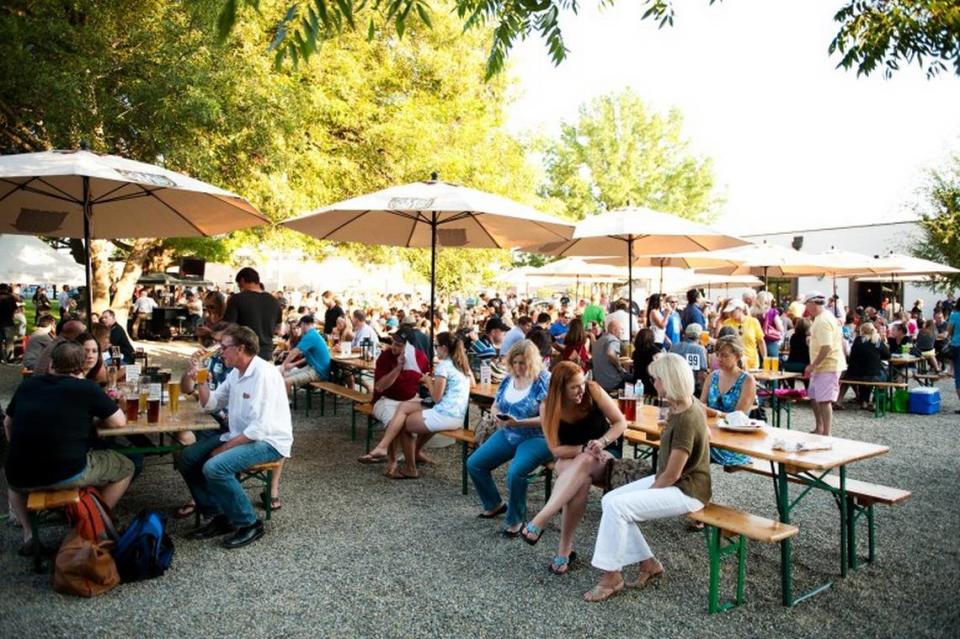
186, 510
602, 593
536, 533
560, 564
645, 579
510, 534
496, 512
274, 503
370, 458
402, 474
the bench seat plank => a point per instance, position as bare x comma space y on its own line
342, 391
737, 522
864, 492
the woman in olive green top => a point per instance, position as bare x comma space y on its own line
681, 485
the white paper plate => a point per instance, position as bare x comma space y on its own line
754, 426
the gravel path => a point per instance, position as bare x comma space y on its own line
353, 554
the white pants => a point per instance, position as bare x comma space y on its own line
619, 540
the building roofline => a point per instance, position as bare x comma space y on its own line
833, 228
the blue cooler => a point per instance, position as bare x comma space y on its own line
924, 401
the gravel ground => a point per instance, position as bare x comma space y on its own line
353, 554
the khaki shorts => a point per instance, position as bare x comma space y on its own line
301, 376
103, 467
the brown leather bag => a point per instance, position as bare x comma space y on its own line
84, 568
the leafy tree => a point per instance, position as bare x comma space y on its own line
619, 154
370, 114
872, 32
940, 222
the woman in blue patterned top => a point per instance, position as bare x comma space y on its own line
519, 438
727, 390
449, 387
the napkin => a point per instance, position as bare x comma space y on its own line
799, 447
737, 418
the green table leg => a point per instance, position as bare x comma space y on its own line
786, 546
844, 522
463, 467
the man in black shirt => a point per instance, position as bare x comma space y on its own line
118, 336
333, 312
49, 424
255, 309
8, 330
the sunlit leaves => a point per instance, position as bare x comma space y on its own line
940, 222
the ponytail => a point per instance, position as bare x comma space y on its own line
458, 353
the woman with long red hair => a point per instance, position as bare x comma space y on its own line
582, 426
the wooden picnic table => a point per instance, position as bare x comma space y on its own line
356, 363
806, 467
484, 391
772, 380
190, 416
900, 365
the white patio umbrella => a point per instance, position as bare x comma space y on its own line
640, 231
764, 260
848, 264
84, 194
433, 214
31, 261
574, 269
896, 267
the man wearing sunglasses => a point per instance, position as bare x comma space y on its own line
260, 431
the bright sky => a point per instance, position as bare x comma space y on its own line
796, 143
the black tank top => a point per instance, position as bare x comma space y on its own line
592, 426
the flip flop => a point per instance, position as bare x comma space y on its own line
402, 475
533, 530
372, 459
496, 512
561, 565
602, 593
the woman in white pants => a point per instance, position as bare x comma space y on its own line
681, 485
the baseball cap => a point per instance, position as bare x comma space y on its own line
693, 330
733, 305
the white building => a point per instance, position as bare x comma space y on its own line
873, 239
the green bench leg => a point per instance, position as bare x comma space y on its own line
267, 495
463, 467
309, 390
353, 422
851, 533
323, 402
369, 432
717, 549
35, 531
871, 535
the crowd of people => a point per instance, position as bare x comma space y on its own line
558, 367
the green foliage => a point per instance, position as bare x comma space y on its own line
890, 32
940, 222
370, 114
871, 32
620, 154
459, 269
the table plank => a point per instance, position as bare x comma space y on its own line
484, 391
760, 444
357, 363
773, 376
190, 417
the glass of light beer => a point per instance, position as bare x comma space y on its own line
173, 393
202, 375
144, 396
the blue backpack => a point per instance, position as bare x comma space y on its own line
144, 550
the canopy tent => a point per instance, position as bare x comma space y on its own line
168, 279
29, 260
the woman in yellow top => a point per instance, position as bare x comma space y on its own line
750, 331
681, 485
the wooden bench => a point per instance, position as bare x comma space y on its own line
262, 473
43, 500
861, 498
467, 441
355, 397
640, 439
882, 393
927, 379
728, 530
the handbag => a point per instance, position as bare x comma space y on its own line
620, 472
770, 332
485, 429
84, 568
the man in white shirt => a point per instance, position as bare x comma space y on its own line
142, 310
362, 330
622, 317
63, 299
260, 431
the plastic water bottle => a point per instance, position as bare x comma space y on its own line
485, 373
628, 389
638, 389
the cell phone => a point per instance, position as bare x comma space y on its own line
503, 417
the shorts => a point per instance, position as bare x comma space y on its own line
928, 353
385, 408
302, 375
103, 467
436, 422
824, 387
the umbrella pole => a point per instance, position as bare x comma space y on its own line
88, 267
630, 289
433, 282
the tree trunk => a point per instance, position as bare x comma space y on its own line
142, 252
99, 259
